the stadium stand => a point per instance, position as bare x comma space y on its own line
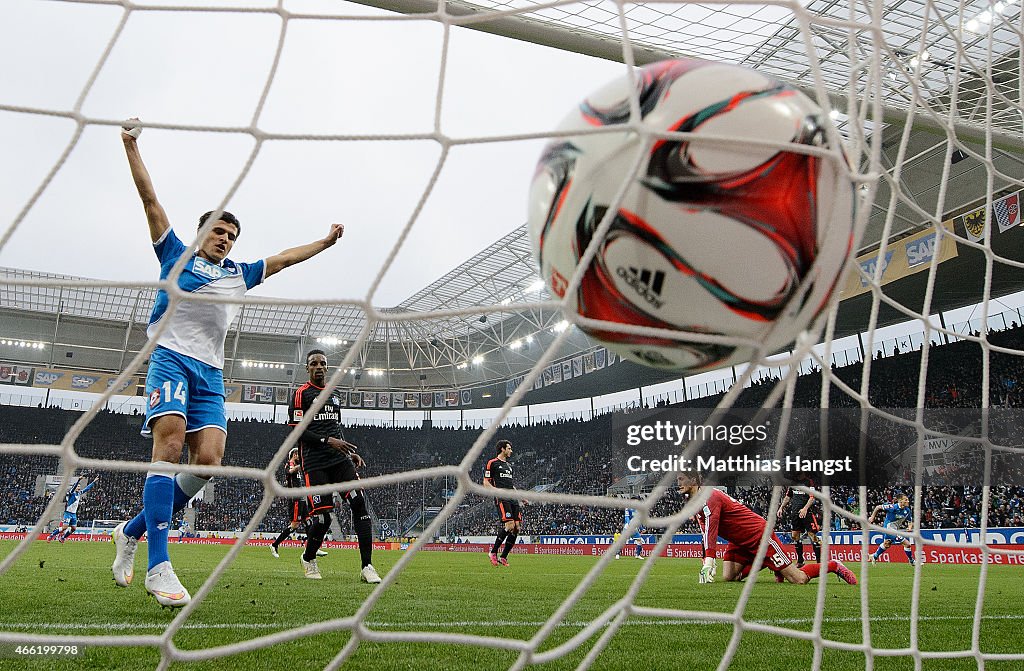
568, 456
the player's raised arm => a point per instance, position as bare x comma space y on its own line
878, 509
290, 257
155, 214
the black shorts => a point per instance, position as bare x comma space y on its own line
300, 511
509, 510
807, 524
345, 471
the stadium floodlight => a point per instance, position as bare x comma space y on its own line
478, 359
534, 287
560, 326
515, 344
985, 17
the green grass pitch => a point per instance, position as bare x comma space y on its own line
67, 589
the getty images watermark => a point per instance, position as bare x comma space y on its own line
841, 446
732, 434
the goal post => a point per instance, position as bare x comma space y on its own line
907, 101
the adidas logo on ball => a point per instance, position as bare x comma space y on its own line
645, 283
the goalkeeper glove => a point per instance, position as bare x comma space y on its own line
707, 572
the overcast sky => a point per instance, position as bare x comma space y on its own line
335, 77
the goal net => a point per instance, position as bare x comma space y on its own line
418, 122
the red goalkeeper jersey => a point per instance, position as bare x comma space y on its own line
724, 516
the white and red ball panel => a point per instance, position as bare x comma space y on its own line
739, 239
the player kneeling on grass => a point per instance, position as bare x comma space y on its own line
722, 515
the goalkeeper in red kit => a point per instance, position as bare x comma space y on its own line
723, 516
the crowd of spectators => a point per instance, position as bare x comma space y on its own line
570, 456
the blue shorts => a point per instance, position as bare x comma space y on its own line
71, 519
895, 540
180, 385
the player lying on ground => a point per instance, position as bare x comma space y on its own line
722, 515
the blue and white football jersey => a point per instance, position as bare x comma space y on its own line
896, 516
196, 329
74, 497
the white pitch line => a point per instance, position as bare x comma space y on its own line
130, 626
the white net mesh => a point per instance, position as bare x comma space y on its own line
927, 95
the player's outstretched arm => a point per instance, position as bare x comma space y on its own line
155, 214
290, 257
874, 513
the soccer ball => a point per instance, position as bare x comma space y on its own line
712, 236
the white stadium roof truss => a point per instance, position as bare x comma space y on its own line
955, 50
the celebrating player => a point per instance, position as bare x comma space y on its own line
326, 458
72, 500
185, 383
498, 475
898, 515
803, 521
300, 514
721, 515
637, 538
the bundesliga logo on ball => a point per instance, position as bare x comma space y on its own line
733, 231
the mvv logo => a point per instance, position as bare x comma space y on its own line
645, 282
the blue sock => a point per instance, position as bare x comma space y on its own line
910, 553
137, 526
879, 551
158, 502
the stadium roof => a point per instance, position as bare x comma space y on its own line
499, 275
955, 50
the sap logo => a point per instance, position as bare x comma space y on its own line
82, 381
869, 267
921, 250
127, 383
204, 267
46, 379
645, 282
